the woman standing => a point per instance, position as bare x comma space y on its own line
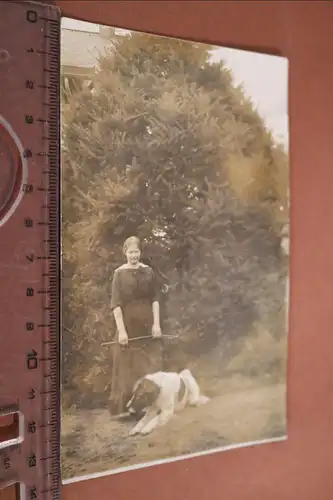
136, 310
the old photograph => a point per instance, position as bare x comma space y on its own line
175, 249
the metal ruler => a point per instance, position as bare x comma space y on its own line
29, 250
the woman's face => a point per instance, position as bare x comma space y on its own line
133, 255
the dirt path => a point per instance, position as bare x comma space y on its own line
92, 442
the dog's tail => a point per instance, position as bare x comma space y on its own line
194, 396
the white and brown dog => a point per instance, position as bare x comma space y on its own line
161, 394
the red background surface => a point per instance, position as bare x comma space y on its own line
301, 467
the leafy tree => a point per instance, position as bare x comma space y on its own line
167, 148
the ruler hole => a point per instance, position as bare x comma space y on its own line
12, 491
11, 428
4, 56
12, 171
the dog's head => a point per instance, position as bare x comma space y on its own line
145, 393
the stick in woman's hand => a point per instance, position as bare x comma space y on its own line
141, 338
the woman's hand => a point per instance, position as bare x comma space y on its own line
122, 337
156, 331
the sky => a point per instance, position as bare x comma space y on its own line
264, 78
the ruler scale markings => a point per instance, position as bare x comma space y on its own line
35, 461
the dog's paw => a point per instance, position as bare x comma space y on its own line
203, 400
145, 432
133, 432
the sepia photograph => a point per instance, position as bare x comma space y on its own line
175, 249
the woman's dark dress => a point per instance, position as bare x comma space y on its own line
134, 291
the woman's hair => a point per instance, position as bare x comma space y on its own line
132, 240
